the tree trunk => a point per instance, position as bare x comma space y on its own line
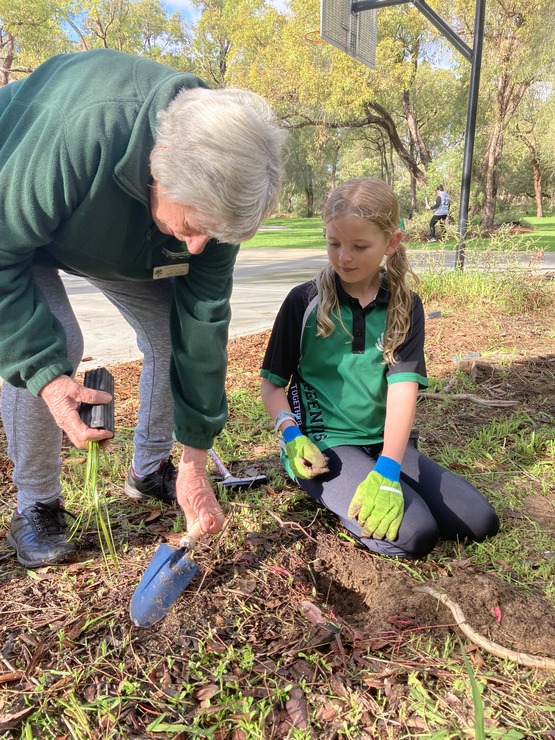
509, 95
414, 130
391, 166
413, 200
309, 193
489, 176
7, 51
537, 173
380, 146
538, 189
387, 124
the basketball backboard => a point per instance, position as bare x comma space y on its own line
354, 33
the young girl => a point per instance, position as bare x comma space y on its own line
349, 346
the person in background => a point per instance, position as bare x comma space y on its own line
142, 180
441, 211
340, 379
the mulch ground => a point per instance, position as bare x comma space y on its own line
289, 587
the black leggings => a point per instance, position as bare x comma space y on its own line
435, 220
438, 503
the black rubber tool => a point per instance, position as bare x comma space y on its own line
99, 416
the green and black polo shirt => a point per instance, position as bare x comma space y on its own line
338, 385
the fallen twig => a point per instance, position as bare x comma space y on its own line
279, 520
533, 661
468, 397
294, 525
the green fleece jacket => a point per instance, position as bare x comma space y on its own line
75, 143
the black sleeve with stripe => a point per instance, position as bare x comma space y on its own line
284, 346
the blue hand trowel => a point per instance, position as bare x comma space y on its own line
167, 575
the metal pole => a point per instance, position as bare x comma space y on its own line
443, 28
475, 70
475, 58
357, 6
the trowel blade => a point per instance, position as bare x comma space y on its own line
167, 575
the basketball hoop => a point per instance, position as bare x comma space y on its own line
314, 37
353, 33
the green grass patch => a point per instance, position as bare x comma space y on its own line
492, 277
289, 233
307, 233
543, 236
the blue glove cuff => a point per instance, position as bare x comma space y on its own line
389, 468
290, 433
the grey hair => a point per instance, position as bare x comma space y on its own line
221, 152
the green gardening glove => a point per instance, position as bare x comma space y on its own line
378, 503
305, 458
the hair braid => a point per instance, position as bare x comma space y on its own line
400, 305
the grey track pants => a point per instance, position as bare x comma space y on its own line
438, 503
34, 440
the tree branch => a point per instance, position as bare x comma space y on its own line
533, 661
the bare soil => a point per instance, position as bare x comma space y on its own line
292, 585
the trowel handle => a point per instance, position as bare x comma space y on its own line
192, 536
219, 464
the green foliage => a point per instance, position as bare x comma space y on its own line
346, 119
494, 274
480, 730
516, 293
140, 27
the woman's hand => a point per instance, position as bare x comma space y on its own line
63, 396
195, 494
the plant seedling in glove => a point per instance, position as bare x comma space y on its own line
305, 459
378, 503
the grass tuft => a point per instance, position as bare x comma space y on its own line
101, 513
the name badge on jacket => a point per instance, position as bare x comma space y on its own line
166, 271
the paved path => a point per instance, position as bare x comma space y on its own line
263, 277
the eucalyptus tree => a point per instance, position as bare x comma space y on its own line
29, 33
534, 130
136, 26
34, 30
313, 85
310, 169
518, 51
228, 37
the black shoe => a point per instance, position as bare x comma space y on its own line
159, 485
39, 535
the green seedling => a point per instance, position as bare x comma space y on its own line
477, 701
102, 517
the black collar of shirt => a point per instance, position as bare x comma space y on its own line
383, 295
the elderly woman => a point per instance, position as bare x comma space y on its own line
144, 181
